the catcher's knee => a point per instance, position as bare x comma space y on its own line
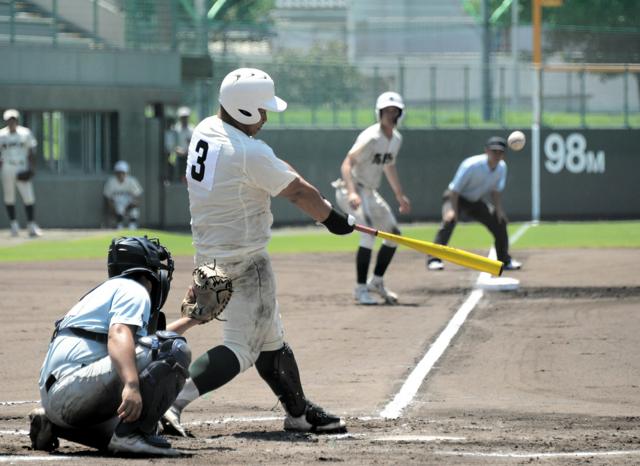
164, 377
280, 370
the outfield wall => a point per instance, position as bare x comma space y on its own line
585, 174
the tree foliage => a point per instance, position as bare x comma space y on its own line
581, 30
321, 75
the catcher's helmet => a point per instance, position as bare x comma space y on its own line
246, 90
135, 254
389, 99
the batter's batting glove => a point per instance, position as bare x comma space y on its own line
339, 223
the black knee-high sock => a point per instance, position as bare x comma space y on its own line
11, 211
214, 369
29, 209
385, 254
363, 259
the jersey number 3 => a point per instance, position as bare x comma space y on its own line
201, 163
197, 172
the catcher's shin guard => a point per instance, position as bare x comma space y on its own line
160, 381
280, 370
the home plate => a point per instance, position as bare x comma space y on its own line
498, 284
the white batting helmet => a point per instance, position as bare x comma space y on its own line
389, 99
246, 90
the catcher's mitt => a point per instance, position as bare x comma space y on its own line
208, 295
25, 175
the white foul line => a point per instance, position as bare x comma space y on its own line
567, 454
417, 376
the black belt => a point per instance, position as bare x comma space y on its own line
95, 336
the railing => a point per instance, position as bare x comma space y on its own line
445, 95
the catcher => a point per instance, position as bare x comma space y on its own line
109, 375
17, 161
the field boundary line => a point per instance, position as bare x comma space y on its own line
412, 384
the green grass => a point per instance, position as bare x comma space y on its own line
444, 117
470, 236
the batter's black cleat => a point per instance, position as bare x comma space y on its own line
314, 419
41, 431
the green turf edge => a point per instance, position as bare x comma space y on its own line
621, 234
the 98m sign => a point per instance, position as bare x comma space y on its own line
572, 154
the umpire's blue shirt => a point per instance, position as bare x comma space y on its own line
474, 179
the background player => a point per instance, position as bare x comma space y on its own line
231, 178
178, 140
18, 167
374, 152
122, 193
476, 191
104, 382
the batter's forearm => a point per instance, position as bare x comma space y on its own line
307, 198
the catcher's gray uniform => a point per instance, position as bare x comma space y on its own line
374, 150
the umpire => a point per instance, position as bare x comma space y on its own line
476, 190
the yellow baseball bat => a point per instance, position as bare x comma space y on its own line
457, 256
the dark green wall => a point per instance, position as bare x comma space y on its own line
427, 162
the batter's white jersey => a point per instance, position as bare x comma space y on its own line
14, 147
373, 151
231, 178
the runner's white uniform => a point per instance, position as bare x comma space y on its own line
14, 150
373, 151
231, 178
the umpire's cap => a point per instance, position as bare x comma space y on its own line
496, 143
11, 113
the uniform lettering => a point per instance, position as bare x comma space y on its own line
381, 159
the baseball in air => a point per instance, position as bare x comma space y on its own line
516, 140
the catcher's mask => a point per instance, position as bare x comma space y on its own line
136, 254
246, 90
390, 99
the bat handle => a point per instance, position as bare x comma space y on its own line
364, 229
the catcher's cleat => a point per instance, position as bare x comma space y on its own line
435, 264
171, 424
362, 295
139, 443
314, 419
41, 431
376, 285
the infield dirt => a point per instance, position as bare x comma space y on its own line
548, 374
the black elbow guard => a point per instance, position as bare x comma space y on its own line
339, 223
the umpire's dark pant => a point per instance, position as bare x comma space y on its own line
480, 211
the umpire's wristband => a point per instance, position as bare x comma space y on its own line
339, 223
